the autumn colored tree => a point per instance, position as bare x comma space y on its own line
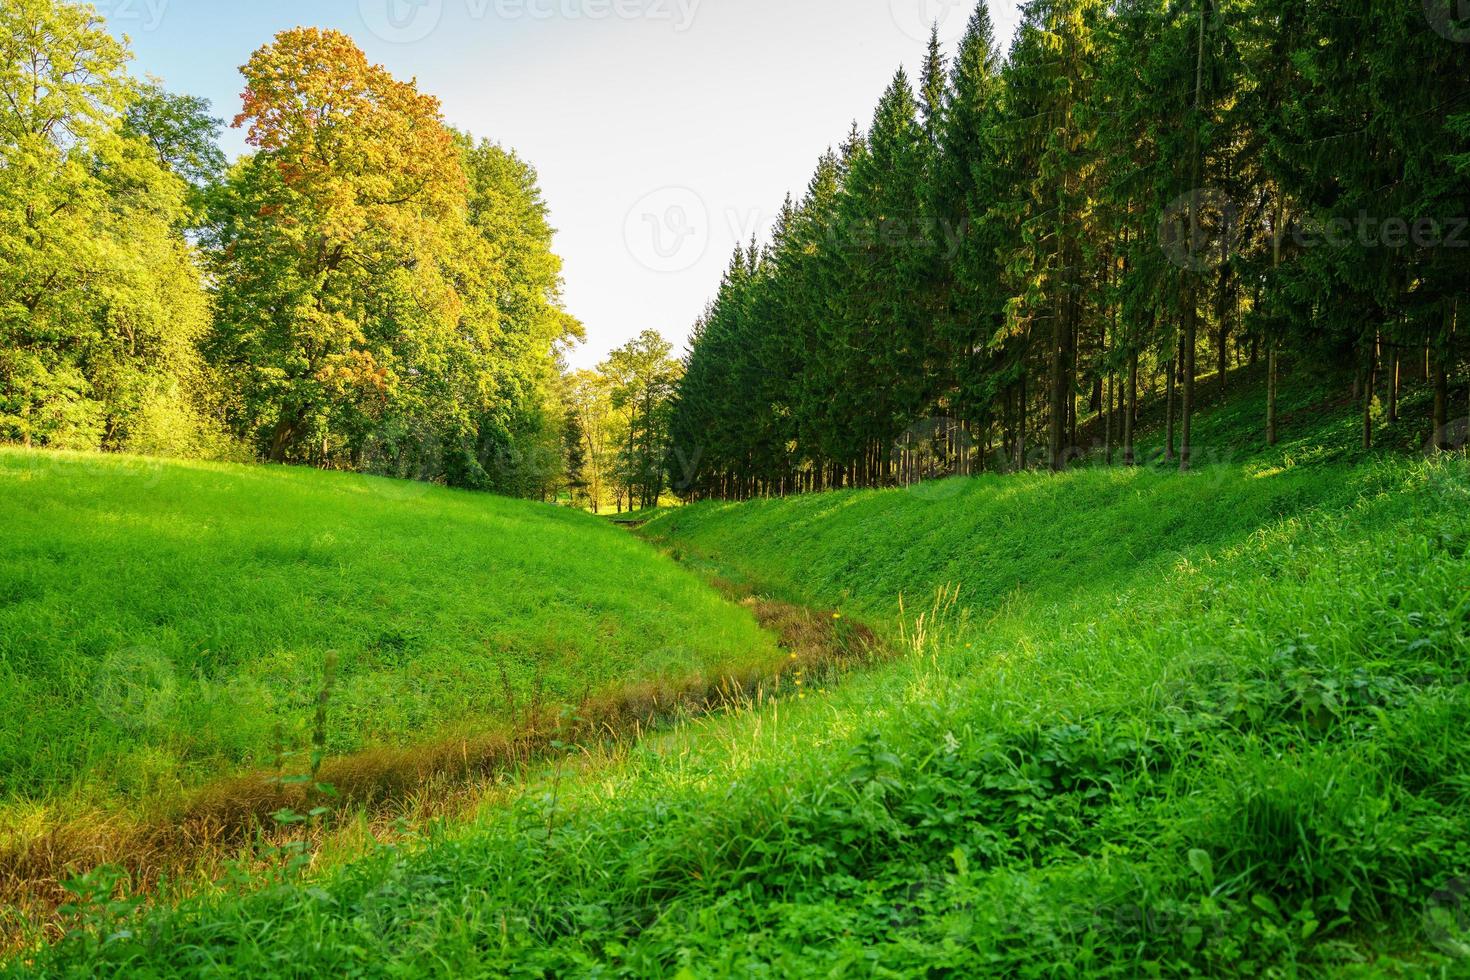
331, 247
388, 296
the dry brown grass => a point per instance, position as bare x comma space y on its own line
382, 793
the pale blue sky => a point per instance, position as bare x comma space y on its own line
664, 131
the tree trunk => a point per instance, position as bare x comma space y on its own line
1393, 387
282, 437
1058, 392
1021, 425
1131, 416
1438, 368
1441, 405
1074, 341
1223, 363
1191, 310
1186, 424
1369, 370
1273, 362
1169, 404
1273, 356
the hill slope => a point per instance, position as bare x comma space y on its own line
164, 624
1184, 725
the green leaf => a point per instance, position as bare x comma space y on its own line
1203, 866
1265, 904
961, 862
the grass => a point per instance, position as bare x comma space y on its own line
1141, 724
162, 625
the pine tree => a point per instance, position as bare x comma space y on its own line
574, 438
1050, 79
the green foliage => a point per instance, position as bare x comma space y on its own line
641, 377
182, 134
101, 306
388, 297
381, 292
1140, 185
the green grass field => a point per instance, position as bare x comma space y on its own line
160, 622
1140, 724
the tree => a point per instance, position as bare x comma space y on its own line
101, 305
514, 373
643, 379
332, 246
970, 182
184, 138
1049, 82
1143, 183
388, 295
574, 436
589, 395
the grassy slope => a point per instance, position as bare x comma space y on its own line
1214, 724
157, 621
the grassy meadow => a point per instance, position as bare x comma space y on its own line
1139, 724
166, 624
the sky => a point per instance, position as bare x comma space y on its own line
663, 131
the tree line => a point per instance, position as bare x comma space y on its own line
1140, 194
367, 289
